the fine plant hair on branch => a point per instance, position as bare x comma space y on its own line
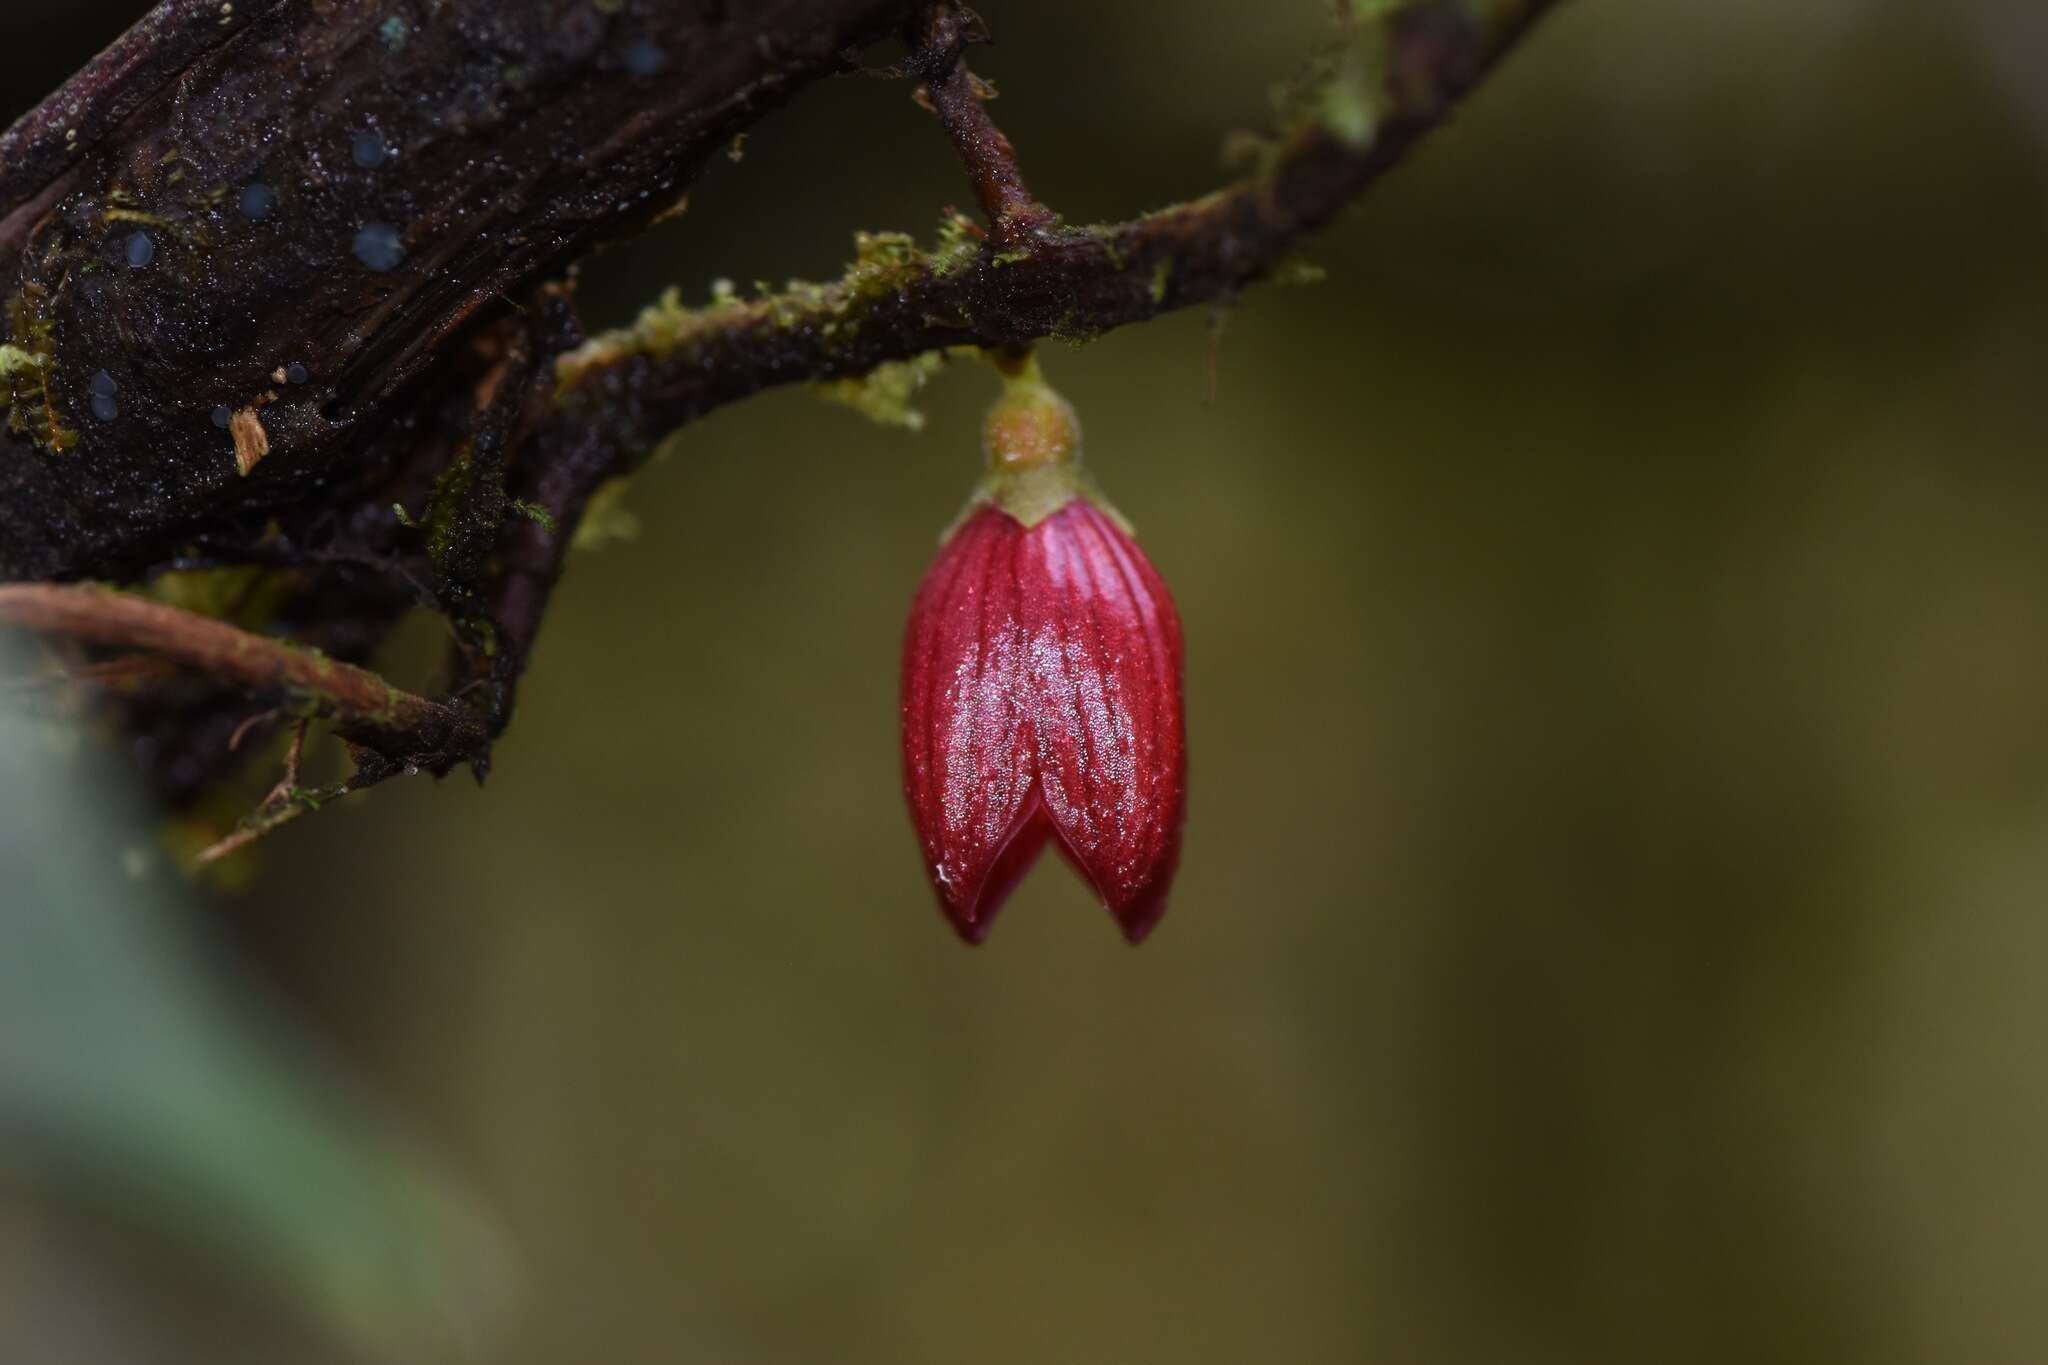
449, 444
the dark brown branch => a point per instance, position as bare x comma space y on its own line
637, 385
365, 709
549, 328
955, 94
574, 463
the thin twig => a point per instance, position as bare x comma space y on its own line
292, 757
257, 721
955, 94
285, 802
363, 707
263, 822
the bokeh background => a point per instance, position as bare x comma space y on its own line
1611, 926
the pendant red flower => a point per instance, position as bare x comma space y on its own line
1042, 688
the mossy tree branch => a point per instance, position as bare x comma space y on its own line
1036, 278
165, 270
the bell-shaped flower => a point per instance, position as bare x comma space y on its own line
1042, 676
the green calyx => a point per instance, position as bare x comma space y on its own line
1031, 439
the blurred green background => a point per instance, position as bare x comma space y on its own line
1617, 610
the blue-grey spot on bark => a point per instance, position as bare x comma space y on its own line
379, 247
223, 415
369, 149
295, 373
258, 199
644, 59
103, 390
140, 250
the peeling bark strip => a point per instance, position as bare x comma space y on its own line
336, 185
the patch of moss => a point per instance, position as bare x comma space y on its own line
533, 512
1347, 90
443, 521
884, 265
28, 361
884, 394
959, 245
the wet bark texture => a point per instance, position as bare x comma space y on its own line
283, 213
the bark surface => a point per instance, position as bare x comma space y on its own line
287, 210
